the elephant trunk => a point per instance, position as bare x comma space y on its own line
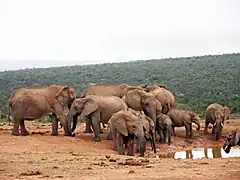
197, 122
153, 142
142, 142
69, 122
219, 127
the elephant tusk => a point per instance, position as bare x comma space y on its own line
214, 124
221, 124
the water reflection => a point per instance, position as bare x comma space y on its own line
196, 153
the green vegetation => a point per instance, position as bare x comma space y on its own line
196, 81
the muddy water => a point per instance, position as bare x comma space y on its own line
196, 153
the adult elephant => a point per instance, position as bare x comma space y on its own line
33, 103
185, 118
140, 100
163, 95
127, 125
95, 108
216, 114
106, 90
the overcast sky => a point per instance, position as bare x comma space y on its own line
66, 32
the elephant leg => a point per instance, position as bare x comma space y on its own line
54, 125
109, 136
173, 130
24, 132
15, 131
214, 129
206, 127
190, 131
96, 126
161, 136
187, 128
165, 136
88, 126
114, 136
130, 145
169, 135
120, 143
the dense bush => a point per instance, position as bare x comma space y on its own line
196, 81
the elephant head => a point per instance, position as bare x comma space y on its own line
83, 107
232, 140
150, 106
195, 119
220, 115
142, 101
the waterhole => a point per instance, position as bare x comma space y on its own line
197, 153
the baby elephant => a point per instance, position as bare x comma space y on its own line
164, 126
129, 125
185, 118
232, 140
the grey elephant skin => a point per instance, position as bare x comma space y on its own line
216, 114
163, 95
33, 103
164, 128
180, 117
127, 125
233, 139
140, 100
96, 109
117, 90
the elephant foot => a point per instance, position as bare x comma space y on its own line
25, 133
15, 133
109, 137
88, 131
96, 139
54, 134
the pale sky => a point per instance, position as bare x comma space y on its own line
66, 32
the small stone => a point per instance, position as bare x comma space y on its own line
75, 154
112, 160
107, 156
131, 172
149, 166
198, 173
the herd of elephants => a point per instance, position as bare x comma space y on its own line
133, 114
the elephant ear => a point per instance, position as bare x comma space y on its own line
62, 95
72, 94
118, 120
192, 116
158, 107
89, 107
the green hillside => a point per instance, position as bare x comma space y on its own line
196, 81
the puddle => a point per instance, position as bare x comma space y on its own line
198, 153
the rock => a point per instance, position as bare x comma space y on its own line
131, 172
149, 166
112, 160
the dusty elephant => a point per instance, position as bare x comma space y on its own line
233, 139
127, 126
164, 128
163, 95
185, 118
140, 100
97, 109
216, 114
33, 103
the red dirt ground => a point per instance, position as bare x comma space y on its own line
42, 156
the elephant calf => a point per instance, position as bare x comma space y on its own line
232, 140
185, 118
163, 127
129, 125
